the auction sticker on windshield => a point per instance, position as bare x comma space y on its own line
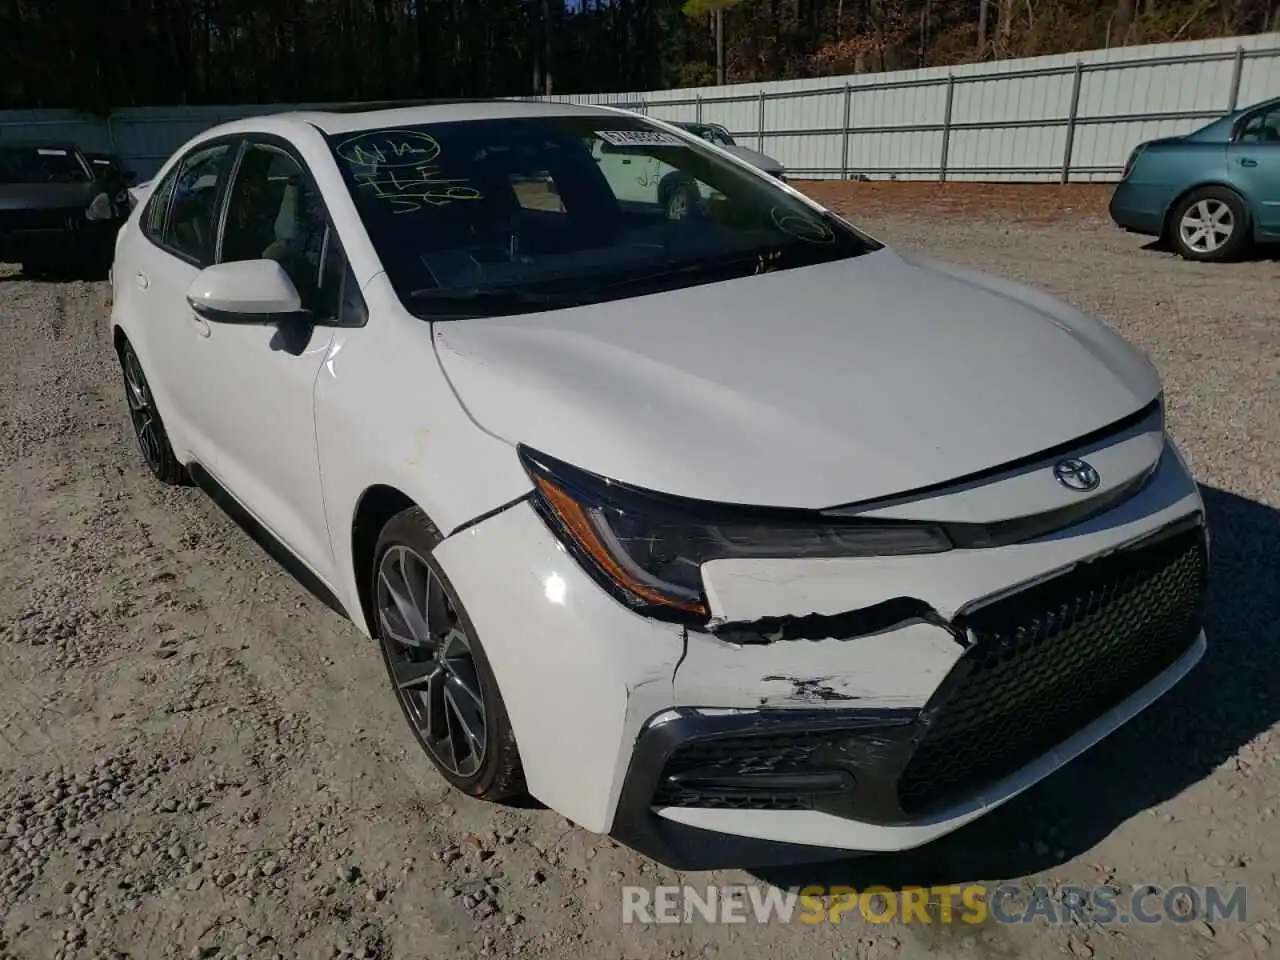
639, 138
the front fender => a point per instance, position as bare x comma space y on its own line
386, 415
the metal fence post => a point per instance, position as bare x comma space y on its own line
946, 128
761, 128
1071, 122
698, 115
1237, 70
844, 133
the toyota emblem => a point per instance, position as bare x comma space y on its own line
1077, 475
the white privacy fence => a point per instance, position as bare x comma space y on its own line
1068, 117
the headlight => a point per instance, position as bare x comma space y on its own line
100, 209
647, 548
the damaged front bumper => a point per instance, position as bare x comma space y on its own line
865, 704
870, 749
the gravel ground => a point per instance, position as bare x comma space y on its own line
200, 760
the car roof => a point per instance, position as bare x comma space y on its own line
352, 118
1272, 102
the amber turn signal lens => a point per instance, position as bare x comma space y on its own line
575, 522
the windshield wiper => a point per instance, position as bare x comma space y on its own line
488, 301
739, 265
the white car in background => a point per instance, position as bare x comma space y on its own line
738, 523
637, 176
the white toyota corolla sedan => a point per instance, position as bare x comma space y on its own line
731, 523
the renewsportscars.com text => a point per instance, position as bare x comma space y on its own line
968, 904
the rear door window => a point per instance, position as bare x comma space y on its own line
191, 225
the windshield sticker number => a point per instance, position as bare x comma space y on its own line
398, 166
639, 138
408, 190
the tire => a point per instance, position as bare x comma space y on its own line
1210, 224
148, 428
682, 201
438, 670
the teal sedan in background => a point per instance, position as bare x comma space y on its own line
1213, 193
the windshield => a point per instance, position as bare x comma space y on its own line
40, 165
489, 217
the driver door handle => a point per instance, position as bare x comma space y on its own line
1248, 162
142, 280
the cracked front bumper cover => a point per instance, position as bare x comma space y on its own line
1077, 653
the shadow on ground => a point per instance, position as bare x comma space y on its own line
1233, 695
89, 269
1258, 253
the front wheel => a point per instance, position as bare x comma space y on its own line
438, 670
1210, 224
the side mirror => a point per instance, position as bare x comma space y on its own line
246, 292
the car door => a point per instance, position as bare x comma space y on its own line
262, 417
1254, 160
632, 175
179, 225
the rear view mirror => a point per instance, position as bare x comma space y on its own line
130, 177
248, 292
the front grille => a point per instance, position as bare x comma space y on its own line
1049, 660
746, 772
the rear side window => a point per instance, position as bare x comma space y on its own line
1263, 127
158, 205
190, 228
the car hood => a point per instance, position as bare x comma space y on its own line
46, 196
813, 387
755, 158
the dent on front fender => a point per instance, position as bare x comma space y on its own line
579, 673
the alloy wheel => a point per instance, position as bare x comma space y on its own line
142, 411
1206, 226
429, 656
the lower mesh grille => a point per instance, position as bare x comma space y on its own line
689, 779
1050, 659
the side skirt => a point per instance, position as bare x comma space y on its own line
264, 538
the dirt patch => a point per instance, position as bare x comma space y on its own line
1026, 203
